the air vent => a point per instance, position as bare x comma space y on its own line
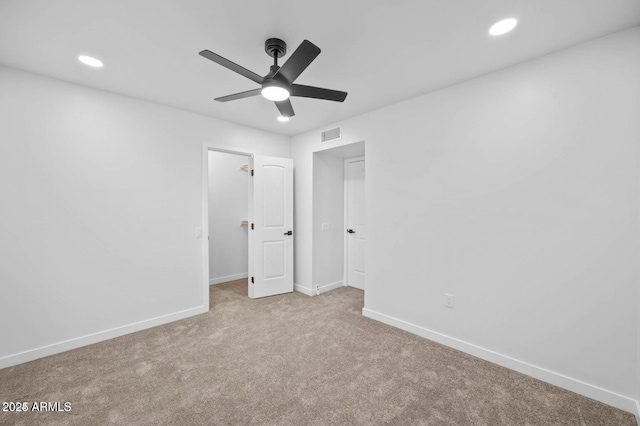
330, 135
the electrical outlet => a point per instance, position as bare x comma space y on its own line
325, 226
198, 233
448, 301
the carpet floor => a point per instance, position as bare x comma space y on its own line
286, 360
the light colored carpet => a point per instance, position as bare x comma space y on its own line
286, 360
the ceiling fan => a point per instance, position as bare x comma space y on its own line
278, 84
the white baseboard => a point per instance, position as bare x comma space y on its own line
302, 289
32, 354
594, 392
637, 412
332, 286
314, 291
219, 280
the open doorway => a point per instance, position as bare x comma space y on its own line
228, 218
332, 243
247, 221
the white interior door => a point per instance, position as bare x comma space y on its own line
355, 225
272, 232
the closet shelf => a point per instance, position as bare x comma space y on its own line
245, 167
244, 223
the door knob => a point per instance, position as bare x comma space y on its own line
351, 231
288, 233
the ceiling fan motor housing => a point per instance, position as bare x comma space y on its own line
277, 82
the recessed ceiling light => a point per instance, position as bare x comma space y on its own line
283, 119
503, 27
92, 62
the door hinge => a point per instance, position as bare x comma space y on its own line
251, 172
251, 280
252, 226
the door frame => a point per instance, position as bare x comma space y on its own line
206, 147
345, 247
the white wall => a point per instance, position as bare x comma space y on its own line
101, 195
228, 206
328, 208
516, 192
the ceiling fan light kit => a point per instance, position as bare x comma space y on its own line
278, 84
274, 91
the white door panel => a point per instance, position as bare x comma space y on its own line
355, 222
273, 184
273, 212
274, 254
358, 254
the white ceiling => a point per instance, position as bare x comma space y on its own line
379, 51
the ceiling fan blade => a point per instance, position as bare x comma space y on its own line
240, 95
317, 93
285, 108
232, 66
299, 61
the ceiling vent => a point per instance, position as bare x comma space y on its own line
330, 135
